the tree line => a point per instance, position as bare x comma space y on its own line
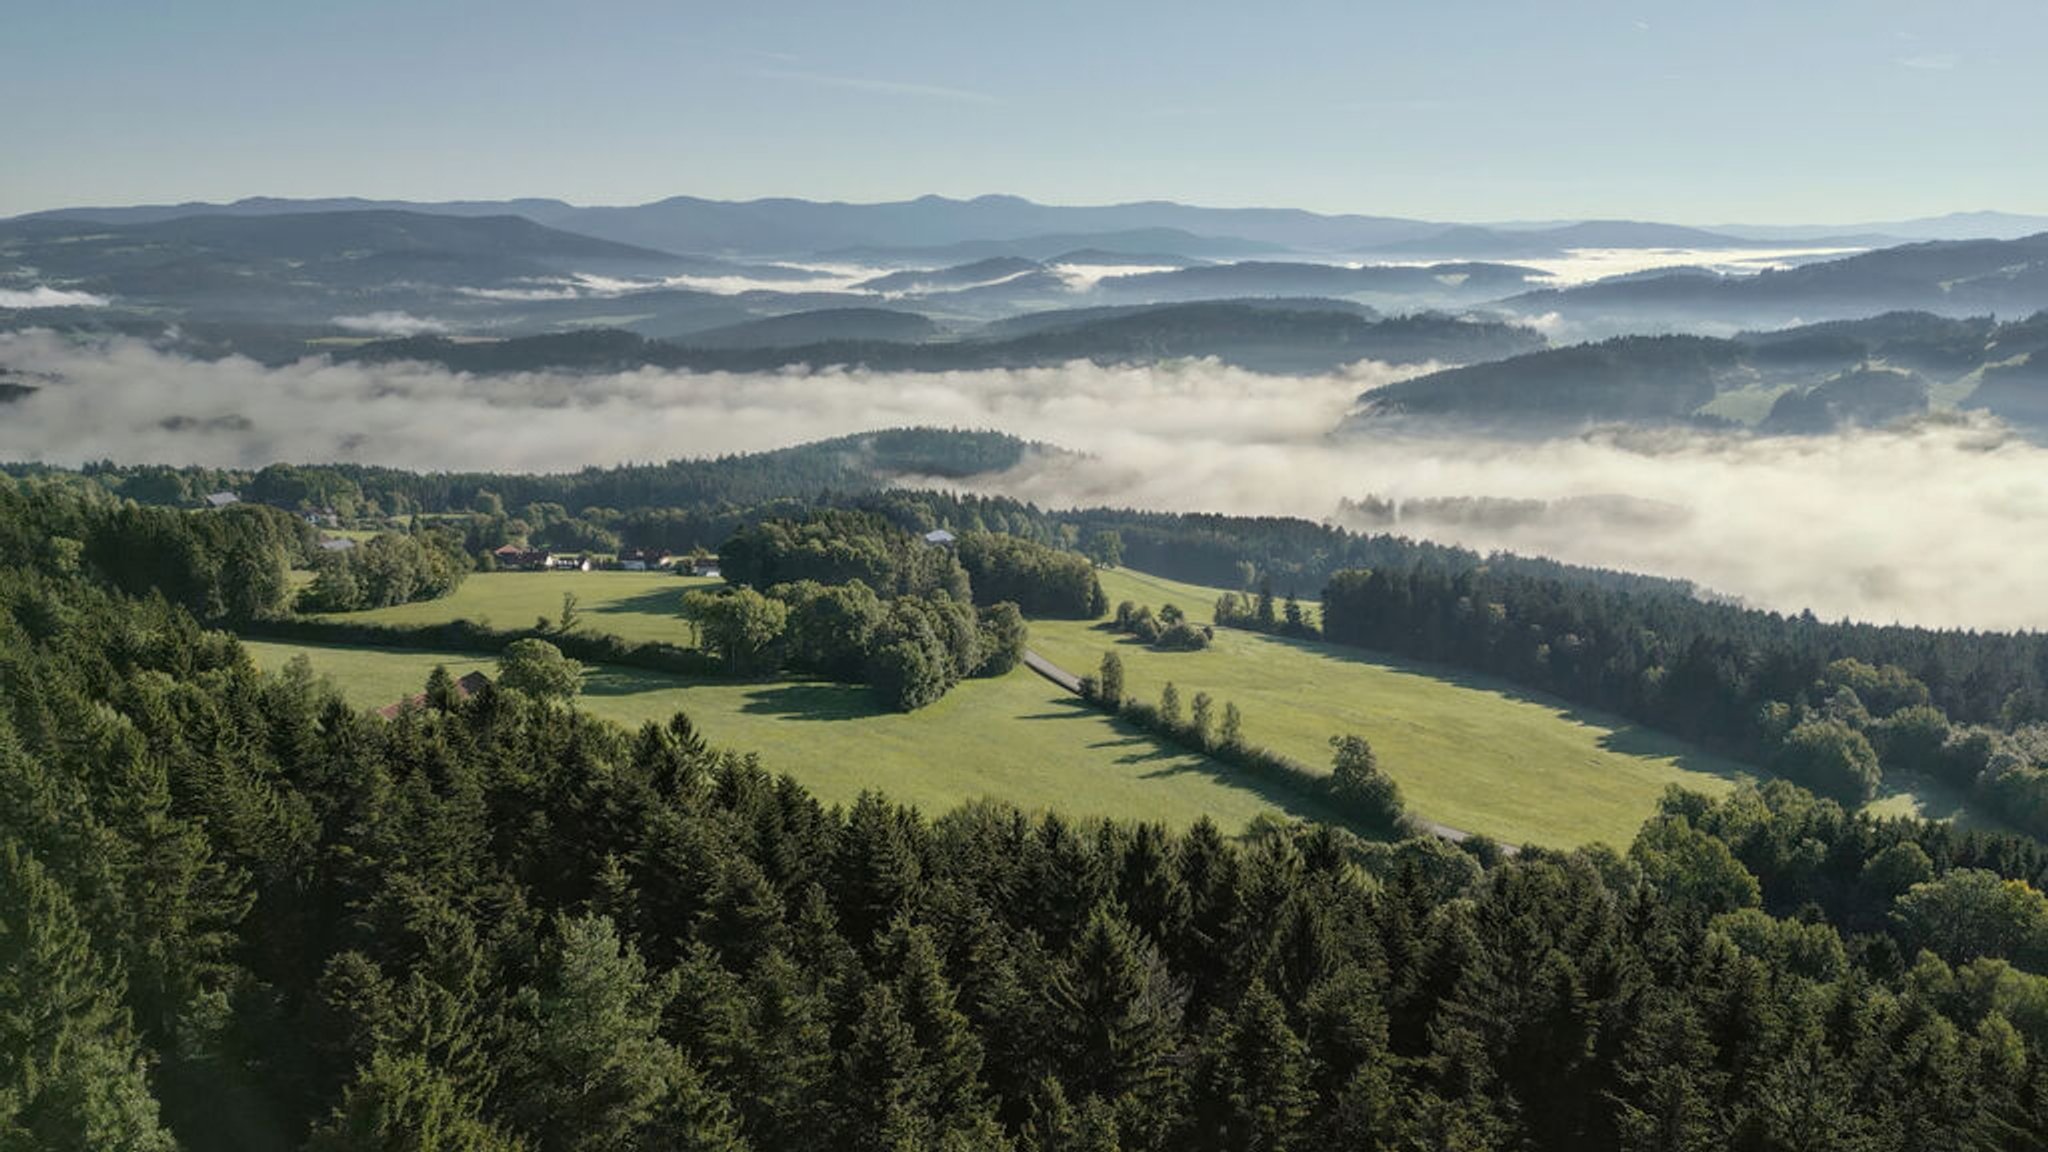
1356, 792
1830, 705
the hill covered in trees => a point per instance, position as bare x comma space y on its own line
1813, 379
1952, 278
1261, 336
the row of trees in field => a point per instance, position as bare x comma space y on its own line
1355, 790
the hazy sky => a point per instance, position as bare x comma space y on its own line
1743, 110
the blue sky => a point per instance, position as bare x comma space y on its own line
1792, 111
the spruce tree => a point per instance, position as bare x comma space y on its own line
71, 1072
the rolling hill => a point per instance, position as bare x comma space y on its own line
1261, 337
1457, 281
1952, 278
823, 326
1805, 380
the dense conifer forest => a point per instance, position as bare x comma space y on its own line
236, 912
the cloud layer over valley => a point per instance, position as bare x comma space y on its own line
1945, 523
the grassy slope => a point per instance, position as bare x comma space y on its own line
635, 605
1467, 751
1016, 738
1474, 744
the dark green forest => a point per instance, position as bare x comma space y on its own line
234, 912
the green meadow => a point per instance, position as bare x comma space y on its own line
1016, 738
1468, 751
633, 605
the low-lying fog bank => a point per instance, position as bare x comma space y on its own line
1942, 524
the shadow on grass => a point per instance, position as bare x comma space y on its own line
660, 602
619, 680
1173, 761
813, 700
1636, 740
785, 699
1936, 800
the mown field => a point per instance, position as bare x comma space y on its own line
1469, 751
1015, 738
634, 605
1471, 754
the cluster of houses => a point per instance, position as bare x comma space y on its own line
517, 558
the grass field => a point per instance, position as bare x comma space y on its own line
1468, 751
634, 605
1016, 738
1155, 592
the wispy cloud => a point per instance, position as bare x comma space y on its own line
1932, 62
43, 296
390, 324
881, 87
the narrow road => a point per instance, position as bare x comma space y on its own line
1052, 672
1072, 683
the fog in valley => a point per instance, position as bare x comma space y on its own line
1941, 523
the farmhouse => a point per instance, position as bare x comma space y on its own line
222, 499
513, 557
939, 538
465, 688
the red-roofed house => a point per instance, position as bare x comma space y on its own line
466, 687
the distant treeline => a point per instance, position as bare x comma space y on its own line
1259, 334
847, 464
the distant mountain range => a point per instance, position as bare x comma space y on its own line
936, 228
190, 259
1952, 226
258, 280
1497, 243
